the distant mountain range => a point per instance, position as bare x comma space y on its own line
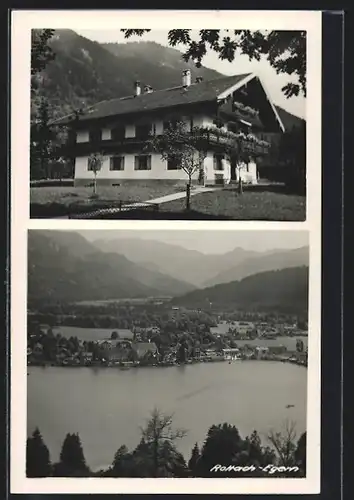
85, 72
283, 291
202, 269
278, 259
65, 266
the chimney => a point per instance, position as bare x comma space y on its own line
137, 87
199, 79
148, 89
186, 78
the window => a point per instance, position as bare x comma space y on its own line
95, 135
143, 131
142, 162
218, 161
90, 164
173, 164
118, 133
116, 163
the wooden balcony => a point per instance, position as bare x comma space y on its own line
230, 140
204, 139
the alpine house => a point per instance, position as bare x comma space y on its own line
233, 110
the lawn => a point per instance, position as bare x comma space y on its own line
62, 200
251, 205
67, 195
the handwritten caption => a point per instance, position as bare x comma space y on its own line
269, 469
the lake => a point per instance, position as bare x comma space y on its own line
107, 406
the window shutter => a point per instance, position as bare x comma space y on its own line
149, 162
111, 163
215, 162
136, 163
122, 159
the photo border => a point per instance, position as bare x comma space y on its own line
331, 354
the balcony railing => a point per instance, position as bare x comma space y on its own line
241, 142
203, 139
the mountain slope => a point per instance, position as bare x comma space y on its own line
85, 72
64, 266
188, 265
276, 260
285, 290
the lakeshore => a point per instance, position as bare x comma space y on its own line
134, 365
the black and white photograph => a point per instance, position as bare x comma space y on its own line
167, 353
168, 124
166, 252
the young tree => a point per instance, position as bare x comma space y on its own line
284, 50
157, 432
72, 460
182, 147
95, 162
300, 345
284, 444
37, 456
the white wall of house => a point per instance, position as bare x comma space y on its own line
248, 172
158, 170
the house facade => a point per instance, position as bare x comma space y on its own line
232, 110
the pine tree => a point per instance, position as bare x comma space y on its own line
42, 141
37, 456
195, 456
72, 459
120, 458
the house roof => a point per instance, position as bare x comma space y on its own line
125, 333
143, 347
289, 120
116, 353
205, 91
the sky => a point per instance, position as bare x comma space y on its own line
241, 64
210, 241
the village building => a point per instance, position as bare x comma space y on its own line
145, 349
277, 349
233, 110
231, 353
124, 333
